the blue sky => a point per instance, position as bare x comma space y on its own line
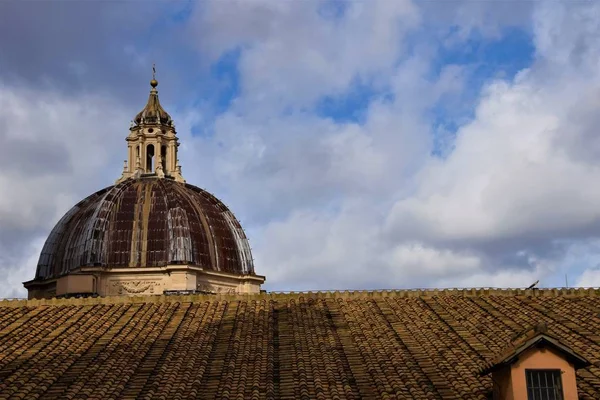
362, 144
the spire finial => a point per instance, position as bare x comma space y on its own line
153, 82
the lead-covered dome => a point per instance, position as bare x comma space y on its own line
147, 222
150, 233
153, 113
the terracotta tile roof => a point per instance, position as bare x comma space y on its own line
534, 337
335, 345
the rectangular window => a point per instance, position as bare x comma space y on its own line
544, 384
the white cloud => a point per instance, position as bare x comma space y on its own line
589, 278
504, 278
519, 179
507, 176
293, 55
416, 259
22, 270
348, 251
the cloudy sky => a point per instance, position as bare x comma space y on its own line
363, 144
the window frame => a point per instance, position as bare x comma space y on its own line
544, 391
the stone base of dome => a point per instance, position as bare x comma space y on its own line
103, 281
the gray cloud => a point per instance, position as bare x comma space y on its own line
70, 79
56, 149
92, 46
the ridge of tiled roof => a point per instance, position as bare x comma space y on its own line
176, 298
401, 344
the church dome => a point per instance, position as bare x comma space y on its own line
149, 233
147, 222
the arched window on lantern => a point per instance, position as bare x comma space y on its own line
150, 158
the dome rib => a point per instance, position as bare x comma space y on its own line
146, 222
205, 223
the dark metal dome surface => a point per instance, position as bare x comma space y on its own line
147, 222
153, 113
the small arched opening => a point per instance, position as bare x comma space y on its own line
150, 158
163, 157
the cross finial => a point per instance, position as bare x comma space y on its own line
153, 82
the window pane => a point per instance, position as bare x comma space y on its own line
543, 384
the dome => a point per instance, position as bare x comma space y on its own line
143, 223
149, 233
